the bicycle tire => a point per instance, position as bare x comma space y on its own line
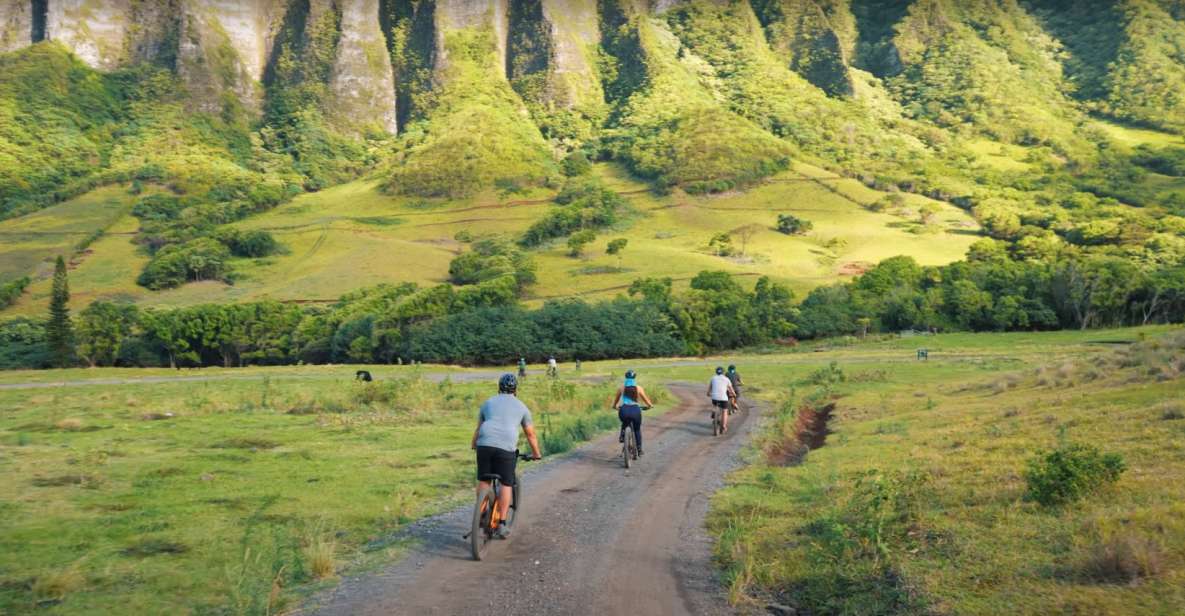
717, 425
626, 445
479, 536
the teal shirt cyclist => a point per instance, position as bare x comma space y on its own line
629, 411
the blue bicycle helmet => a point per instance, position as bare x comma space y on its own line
630, 374
508, 384
719, 370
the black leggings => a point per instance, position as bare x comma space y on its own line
631, 415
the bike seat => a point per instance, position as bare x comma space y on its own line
490, 477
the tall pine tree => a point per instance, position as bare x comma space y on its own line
58, 331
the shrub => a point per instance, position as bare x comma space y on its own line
1123, 558
196, 260
793, 225
1071, 472
10, 291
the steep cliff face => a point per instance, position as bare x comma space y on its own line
817, 38
574, 34
458, 15
223, 50
16, 24
95, 30
362, 84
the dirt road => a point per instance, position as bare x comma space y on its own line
594, 538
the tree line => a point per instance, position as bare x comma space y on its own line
478, 320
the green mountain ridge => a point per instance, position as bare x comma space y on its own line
211, 115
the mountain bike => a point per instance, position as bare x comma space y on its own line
718, 418
485, 511
629, 445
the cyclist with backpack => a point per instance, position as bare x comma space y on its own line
629, 411
734, 377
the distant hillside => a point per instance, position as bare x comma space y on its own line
210, 114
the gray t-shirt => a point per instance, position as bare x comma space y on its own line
500, 418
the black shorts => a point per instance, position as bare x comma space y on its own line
494, 461
720, 404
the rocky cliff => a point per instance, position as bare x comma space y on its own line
16, 25
362, 83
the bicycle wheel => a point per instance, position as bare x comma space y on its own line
479, 534
716, 422
628, 445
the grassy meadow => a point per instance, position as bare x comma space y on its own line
235, 494
917, 501
238, 493
351, 236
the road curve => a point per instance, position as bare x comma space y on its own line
594, 538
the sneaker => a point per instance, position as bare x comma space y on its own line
639, 452
621, 437
503, 531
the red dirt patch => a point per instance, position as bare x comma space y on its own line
854, 268
809, 433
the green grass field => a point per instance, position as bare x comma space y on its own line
29, 244
916, 503
236, 494
351, 236
266, 483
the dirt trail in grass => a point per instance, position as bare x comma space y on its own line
594, 538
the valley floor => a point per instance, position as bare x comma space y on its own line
253, 490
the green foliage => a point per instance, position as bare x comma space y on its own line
297, 91
856, 545
103, 328
23, 344
672, 129
615, 246
1124, 56
577, 241
489, 260
1071, 472
583, 203
11, 291
474, 134
59, 330
194, 261
790, 224
252, 243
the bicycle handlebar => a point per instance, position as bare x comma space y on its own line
526, 457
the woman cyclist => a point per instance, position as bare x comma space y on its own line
628, 409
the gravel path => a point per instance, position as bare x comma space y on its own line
594, 538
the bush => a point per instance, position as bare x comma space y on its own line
1071, 472
793, 225
196, 260
10, 291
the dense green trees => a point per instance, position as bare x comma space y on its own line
994, 292
10, 291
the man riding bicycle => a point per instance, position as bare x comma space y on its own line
628, 409
496, 442
552, 368
734, 377
721, 392
522, 367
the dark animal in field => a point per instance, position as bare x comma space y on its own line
363, 375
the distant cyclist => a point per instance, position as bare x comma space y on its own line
496, 442
734, 377
628, 409
552, 368
721, 392
522, 367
